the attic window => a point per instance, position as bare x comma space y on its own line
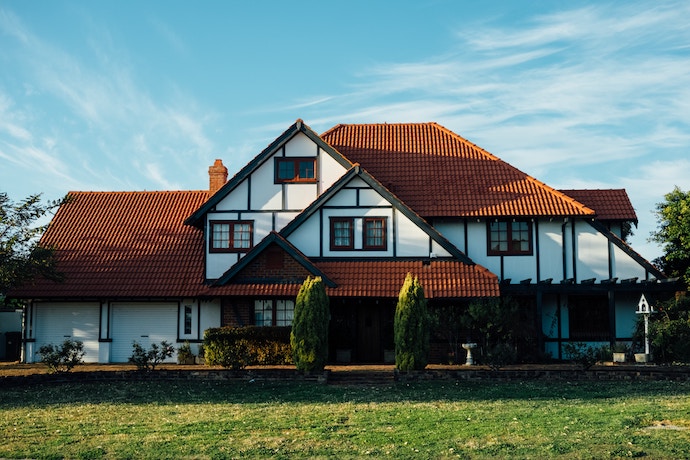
342, 233
295, 169
230, 236
375, 233
510, 237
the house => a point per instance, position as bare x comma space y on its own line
361, 206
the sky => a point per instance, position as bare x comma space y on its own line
131, 95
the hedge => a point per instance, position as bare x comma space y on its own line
238, 347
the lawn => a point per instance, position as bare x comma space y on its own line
289, 419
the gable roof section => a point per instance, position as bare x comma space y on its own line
298, 127
625, 247
609, 204
124, 244
273, 238
357, 171
440, 174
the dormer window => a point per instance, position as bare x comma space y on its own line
295, 169
230, 236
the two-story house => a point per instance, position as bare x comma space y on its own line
360, 206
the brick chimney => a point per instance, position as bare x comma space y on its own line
217, 176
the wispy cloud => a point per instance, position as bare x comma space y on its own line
102, 100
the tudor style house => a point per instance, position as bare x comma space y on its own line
360, 206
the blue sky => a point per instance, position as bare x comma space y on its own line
129, 95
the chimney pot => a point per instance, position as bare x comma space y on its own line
217, 176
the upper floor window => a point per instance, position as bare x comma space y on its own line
342, 233
510, 237
231, 236
295, 169
375, 233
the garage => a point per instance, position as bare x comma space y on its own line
146, 324
55, 323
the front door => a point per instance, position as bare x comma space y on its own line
369, 334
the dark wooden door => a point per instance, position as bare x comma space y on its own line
369, 334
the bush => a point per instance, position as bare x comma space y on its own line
669, 331
309, 335
62, 358
238, 347
585, 356
411, 327
500, 355
149, 359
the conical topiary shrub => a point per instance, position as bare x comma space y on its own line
309, 335
411, 327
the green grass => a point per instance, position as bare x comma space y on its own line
286, 420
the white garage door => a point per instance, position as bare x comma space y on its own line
144, 323
56, 323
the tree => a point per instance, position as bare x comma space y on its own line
22, 256
411, 326
309, 335
673, 216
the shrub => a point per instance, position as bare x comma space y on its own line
309, 335
669, 331
184, 353
238, 347
62, 358
583, 355
149, 359
500, 355
411, 327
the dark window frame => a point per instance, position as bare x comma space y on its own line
274, 308
231, 236
509, 240
297, 170
351, 236
384, 237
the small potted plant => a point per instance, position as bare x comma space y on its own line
620, 352
184, 354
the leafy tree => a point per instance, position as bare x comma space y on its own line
669, 331
411, 326
22, 256
309, 335
673, 216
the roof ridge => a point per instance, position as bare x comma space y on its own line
131, 192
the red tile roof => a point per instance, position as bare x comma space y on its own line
124, 244
358, 278
609, 204
440, 174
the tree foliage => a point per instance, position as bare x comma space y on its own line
22, 256
309, 335
673, 215
411, 326
669, 331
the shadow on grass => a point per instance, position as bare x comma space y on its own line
265, 392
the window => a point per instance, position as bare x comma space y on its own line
588, 318
342, 233
510, 237
272, 312
231, 236
291, 169
375, 233
187, 319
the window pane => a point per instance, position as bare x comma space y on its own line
375, 234
221, 236
342, 233
306, 169
242, 236
285, 310
263, 313
187, 319
286, 170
